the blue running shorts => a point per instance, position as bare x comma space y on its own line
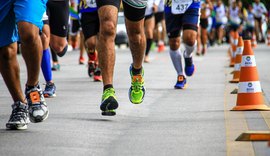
14, 11
175, 23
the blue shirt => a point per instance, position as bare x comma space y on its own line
84, 8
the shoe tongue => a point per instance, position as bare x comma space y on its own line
180, 78
137, 78
19, 104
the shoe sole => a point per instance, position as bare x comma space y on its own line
113, 105
108, 113
185, 86
16, 126
49, 96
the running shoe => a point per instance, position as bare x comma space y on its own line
49, 90
161, 47
91, 68
97, 75
136, 91
81, 60
38, 110
19, 117
56, 67
181, 82
108, 102
189, 66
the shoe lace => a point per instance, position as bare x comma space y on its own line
137, 83
97, 72
108, 92
48, 87
34, 96
18, 113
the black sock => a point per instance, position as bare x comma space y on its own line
54, 56
136, 71
107, 86
27, 87
148, 45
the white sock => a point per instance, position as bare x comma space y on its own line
177, 61
189, 50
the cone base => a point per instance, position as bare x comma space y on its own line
234, 81
231, 65
261, 107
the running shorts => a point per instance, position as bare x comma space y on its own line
90, 24
175, 23
58, 12
14, 11
134, 10
159, 16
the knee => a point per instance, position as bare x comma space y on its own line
108, 29
135, 36
174, 43
45, 41
190, 40
58, 46
8, 53
149, 33
91, 46
28, 36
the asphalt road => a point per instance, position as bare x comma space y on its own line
190, 122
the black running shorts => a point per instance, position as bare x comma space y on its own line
58, 12
159, 16
90, 24
134, 10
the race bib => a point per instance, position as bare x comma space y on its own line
91, 3
180, 6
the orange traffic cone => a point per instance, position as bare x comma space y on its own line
249, 95
238, 59
253, 41
233, 51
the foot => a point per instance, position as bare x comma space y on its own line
91, 68
181, 82
97, 75
189, 66
203, 50
49, 90
81, 60
56, 67
38, 110
161, 48
19, 118
108, 103
137, 90
146, 59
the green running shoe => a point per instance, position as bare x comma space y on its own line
109, 103
137, 90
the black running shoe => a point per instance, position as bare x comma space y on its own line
19, 117
38, 109
91, 68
